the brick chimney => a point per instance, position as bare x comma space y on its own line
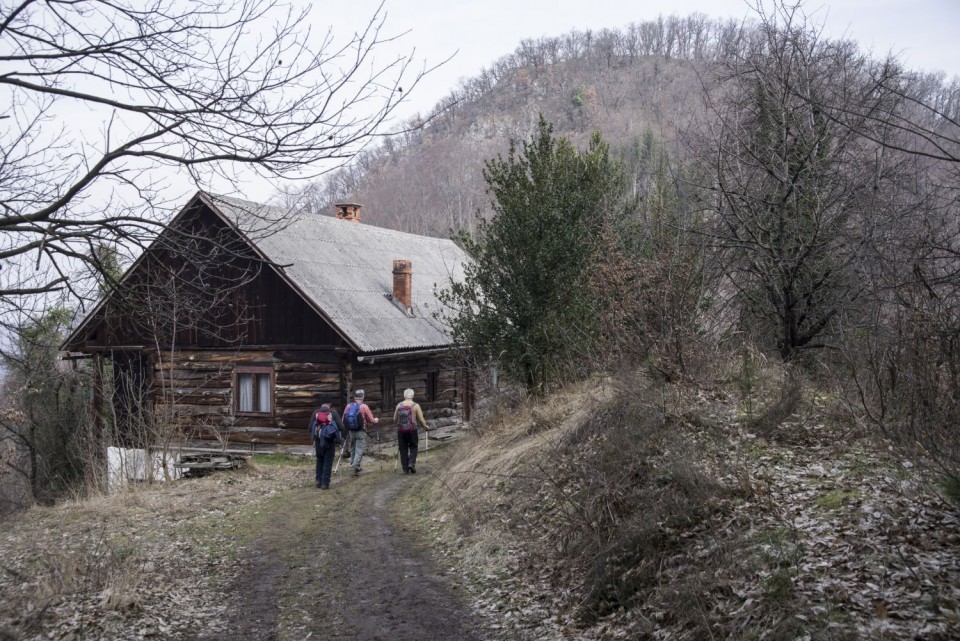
403, 283
348, 211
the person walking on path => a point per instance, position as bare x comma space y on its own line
325, 430
407, 416
356, 417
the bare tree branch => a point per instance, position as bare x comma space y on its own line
99, 96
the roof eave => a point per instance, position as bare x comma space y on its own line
382, 355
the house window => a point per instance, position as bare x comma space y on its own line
388, 390
433, 386
253, 390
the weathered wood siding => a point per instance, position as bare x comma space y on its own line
212, 295
412, 373
194, 391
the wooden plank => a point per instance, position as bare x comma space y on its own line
192, 401
307, 391
309, 358
191, 392
280, 437
299, 377
183, 375
208, 465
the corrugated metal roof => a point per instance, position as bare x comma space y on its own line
346, 269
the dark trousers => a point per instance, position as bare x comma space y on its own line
408, 449
324, 463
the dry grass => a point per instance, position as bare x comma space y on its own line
681, 512
152, 561
593, 478
494, 456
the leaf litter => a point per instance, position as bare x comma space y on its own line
821, 536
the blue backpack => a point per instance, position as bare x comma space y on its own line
352, 417
330, 435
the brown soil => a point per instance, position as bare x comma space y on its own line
336, 564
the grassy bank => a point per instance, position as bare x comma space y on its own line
635, 510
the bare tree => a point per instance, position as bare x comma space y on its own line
99, 94
903, 346
925, 111
792, 189
49, 445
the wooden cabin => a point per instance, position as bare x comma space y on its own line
240, 314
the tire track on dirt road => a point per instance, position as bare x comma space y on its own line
333, 565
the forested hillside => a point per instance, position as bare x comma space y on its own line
643, 84
635, 85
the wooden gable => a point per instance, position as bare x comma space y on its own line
200, 285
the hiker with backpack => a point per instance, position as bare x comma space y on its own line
325, 429
407, 416
356, 416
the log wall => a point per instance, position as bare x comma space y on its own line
412, 373
193, 390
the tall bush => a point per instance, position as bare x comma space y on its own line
526, 300
51, 399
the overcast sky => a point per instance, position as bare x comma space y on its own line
475, 33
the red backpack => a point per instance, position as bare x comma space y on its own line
324, 417
325, 427
405, 418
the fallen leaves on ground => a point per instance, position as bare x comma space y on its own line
830, 535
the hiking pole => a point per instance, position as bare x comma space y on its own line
340, 458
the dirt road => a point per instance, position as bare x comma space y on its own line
335, 564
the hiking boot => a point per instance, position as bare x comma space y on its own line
324, 487
413, 470
356, 471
